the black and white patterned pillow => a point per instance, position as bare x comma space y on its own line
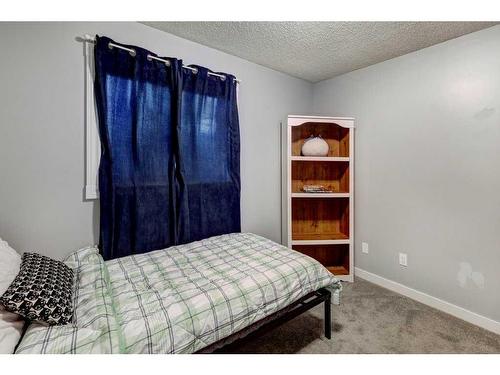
42, 290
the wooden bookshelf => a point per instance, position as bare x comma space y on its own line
320, 225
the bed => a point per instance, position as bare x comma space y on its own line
192, 298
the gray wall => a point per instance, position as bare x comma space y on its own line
428, 167
42, 130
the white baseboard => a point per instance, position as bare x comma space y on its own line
459, 312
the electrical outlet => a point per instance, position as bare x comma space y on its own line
403, 259
364, 247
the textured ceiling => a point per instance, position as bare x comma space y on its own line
316, 51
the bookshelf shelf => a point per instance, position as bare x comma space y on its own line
320, 158
320, 195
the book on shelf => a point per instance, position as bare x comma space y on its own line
315, 189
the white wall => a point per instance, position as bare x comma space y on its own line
428, 167
42, 130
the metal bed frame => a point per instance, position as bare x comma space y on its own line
274, 320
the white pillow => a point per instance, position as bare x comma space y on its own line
11, 325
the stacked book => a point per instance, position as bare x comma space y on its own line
315, 189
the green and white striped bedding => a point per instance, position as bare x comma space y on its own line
179, 299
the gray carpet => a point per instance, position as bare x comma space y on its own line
372, 319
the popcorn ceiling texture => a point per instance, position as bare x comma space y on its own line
316, 51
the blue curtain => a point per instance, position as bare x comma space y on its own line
137, 105
169, 170
209, 156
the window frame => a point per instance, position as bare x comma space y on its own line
92, 141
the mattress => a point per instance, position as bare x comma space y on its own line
179, 299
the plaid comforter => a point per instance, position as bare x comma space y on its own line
179, 299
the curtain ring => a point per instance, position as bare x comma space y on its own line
132, 53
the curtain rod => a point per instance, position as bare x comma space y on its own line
151, 57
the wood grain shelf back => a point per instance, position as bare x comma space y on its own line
334, 257
320, 219
336, 136
333, 176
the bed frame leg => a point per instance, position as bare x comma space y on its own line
328, 315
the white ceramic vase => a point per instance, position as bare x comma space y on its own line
315, 146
